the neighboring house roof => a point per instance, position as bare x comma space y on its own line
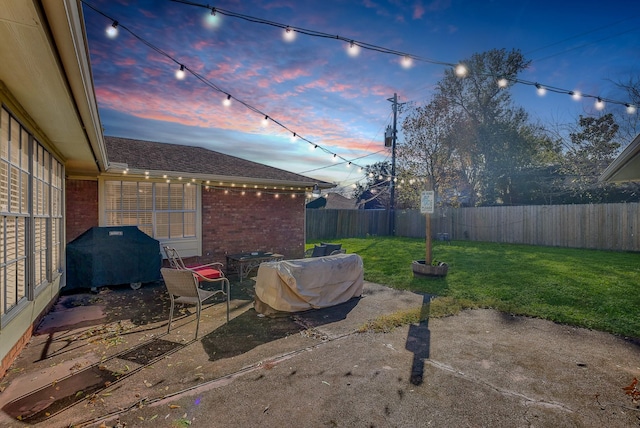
45, 71
140, 156
336, 201
625, 167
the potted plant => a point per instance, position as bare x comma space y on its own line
421, 268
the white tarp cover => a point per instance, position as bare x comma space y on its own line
313, 283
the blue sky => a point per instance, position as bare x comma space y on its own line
313, 87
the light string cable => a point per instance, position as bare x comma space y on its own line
315, 33
215, 87
460, 68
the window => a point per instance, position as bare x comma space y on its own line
164, 211
31, 213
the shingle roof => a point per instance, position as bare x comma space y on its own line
336, 201
148, 155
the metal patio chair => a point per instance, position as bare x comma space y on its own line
183, 287
205, 272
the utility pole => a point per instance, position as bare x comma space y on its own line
392, 186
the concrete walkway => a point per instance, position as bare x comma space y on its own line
106, 360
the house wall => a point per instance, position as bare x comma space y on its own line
81, 207
233, 223
16, 335
38, 293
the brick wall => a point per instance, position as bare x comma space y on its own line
81, 207
233, 223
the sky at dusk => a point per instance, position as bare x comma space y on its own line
315, 88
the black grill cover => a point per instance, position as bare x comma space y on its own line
112, 256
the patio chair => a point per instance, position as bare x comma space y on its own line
324, 249
182, 286
333, 248
204, 272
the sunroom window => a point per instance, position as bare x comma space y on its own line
31, 183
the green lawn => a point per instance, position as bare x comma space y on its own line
586, 288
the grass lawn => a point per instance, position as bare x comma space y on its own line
587, 288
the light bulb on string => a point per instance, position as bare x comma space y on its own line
289, 35
461, 70
112, 30
293, 137
212, 20
334, 158
502, 82
406, 62
599, 104
353, 49
349, 165
180, 74
227, 101
576, 95
631, 109
265, 121
540, 89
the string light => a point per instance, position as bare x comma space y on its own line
180, 74
576, 95
265, 121
293, 137
541, 89
599, 104
212, 20
459, 69
353, 50
112, 30
289, 35
502, 82
406, 62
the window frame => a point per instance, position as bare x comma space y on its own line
188, 244
19, 149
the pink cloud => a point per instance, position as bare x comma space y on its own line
126, 62
418, 11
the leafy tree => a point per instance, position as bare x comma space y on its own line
590, 150
375, 192
630, 123
427, 154
493, 140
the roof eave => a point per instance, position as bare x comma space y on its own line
626, 167
122, 170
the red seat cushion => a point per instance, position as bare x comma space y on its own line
207, 272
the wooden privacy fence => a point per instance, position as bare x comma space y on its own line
595, 226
